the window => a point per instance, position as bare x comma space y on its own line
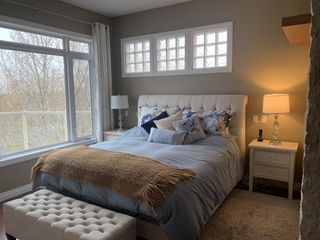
45, 92
16, 36
76, 46
210, 49
171, 53
205, 49
137, 55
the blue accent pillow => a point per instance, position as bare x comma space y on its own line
192, 127
150, 124
166, 136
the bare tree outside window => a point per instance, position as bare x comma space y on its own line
33, 110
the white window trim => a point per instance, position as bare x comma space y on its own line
22, 25
188, 32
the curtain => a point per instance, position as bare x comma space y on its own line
102, 87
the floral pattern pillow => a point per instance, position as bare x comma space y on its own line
148, 113
187, 113
216, 123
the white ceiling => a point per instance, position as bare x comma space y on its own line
113, 8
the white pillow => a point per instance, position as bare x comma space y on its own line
166, 123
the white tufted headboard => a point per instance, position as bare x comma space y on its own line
235, 103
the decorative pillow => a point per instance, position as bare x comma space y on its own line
216, 123
171, 110
147, 113
148, 125
187, 113
166, 123
166, 136
192, 127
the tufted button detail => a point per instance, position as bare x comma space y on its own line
68, 218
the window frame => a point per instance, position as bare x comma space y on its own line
68, 57
189, 70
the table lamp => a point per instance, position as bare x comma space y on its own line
119, 102
275, 104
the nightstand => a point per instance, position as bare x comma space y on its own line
112, 134
274, 162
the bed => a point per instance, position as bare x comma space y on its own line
218, 162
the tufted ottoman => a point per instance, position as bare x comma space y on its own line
46, 215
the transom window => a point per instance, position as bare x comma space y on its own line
171, 53
45, 89
137, 54
205, 49
210, 49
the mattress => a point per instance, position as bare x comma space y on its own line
216, 161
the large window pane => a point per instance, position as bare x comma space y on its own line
39, 40
81, 76
32, 101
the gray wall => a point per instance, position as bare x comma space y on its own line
17, 175
263, 61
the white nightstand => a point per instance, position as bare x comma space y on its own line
112, 134
273, 162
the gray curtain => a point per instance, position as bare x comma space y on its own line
103, 79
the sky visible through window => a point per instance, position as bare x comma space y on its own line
5, 34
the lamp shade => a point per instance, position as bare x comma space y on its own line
276, 103
119, 102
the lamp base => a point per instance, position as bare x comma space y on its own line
275, 142
120, 130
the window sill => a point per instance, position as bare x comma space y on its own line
22, 157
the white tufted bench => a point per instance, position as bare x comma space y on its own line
46, 215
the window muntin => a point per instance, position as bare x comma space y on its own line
40, 40
137, 56
210, 49
171, 53
39, 87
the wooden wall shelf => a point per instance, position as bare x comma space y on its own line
297, 29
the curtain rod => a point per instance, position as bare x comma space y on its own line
47, 11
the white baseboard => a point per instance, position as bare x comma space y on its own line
4, 196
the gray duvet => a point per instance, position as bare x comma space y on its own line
216, 160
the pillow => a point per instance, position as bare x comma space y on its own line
148, 125
186, 113
166, 136
166, 123
216, 123
171, 110
192, 127
147, 113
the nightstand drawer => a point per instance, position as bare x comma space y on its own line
272, 158
276, 173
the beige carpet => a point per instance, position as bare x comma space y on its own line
254, 216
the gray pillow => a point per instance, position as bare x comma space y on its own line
166, 136
192, 127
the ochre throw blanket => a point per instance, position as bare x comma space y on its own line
130, 175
